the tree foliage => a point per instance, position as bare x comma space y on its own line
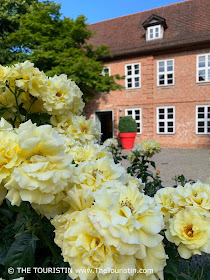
10, 13
59, 45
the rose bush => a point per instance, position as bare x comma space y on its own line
67, 201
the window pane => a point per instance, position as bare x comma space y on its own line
201, 75
136, 66
129, 73
200, 129
129, 67
170, 129
162, 129
161, 124
201, 109
170, 110
161, 110
169, 65
170, 123
200, 116
201, 124
161, 63
208, 75
208, 109
137, 112
161, 117
170, 82
136, 84
129, 113
161, 69
137, 118
201, 61
136, 72
209, 60
170, 116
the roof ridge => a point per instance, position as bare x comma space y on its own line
177, 3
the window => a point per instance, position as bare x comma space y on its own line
165, 72
166, 120
154, 32
203, 68
105, 71
132, 72
136, 115
203, 119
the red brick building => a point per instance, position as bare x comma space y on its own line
164, 54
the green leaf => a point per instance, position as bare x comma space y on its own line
3, 110
39, 119
21, 253
3, 252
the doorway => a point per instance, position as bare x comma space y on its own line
104, 122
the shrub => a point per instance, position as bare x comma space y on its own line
127, 124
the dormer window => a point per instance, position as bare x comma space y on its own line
154, 32
154, 26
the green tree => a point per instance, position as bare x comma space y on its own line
10, 12
59, 45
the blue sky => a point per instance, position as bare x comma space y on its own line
99, 10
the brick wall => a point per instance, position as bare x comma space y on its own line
185, 94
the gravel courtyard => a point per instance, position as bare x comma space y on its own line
192, 163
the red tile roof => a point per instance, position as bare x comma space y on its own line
188, 23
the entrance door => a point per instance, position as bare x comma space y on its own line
104, 123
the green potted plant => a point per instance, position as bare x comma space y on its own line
128, 130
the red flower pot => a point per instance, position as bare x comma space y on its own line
127, 139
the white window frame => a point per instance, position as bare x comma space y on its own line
134, 117
205, 119
165, 73
206, 68
132, 76
166, 120
106, 68
153, 28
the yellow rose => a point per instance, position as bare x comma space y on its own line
94, 174
126, 218
79, 199
90, 152
132, 181
155, 260
42, 178
145, 148
4, 74
84, 248
62, 96
62, 122
198, 196
189, 230
10, 153
30, 79
166, 198
111, 142
83, 130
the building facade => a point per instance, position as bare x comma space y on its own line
164, 54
